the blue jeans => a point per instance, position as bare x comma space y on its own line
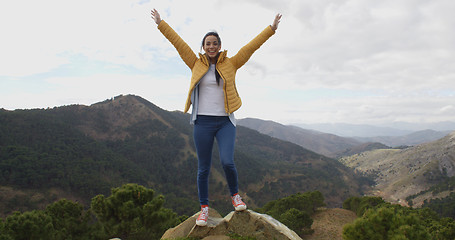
206, 129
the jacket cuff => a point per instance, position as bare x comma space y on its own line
161, 24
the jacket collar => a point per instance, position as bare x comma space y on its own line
222, 56
205, 59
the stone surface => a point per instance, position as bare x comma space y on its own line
184, 228
245, 223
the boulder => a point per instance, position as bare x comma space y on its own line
184, 228
246, 223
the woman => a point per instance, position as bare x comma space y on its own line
214, 97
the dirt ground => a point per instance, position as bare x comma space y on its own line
328, 223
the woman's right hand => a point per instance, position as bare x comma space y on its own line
156, 16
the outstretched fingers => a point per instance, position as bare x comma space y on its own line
276, 21
156, 16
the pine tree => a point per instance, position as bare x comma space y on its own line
133, 212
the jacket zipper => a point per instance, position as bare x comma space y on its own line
224, 92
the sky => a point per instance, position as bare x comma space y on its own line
330, 61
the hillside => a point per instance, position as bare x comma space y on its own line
79, 151
322, 143
407, 172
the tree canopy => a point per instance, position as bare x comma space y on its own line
381, 220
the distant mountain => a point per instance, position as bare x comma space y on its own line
354, 130
415, 127
368, 131
411, 139
322, 143
79, 151
411, 172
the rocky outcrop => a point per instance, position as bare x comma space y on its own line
246, 223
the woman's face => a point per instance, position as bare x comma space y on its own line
211, 46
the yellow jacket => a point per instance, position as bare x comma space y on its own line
227, 67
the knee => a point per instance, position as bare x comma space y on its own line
203, 172
228, 165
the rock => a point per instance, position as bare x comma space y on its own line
184, 228
246, 223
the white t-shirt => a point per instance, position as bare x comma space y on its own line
211, 95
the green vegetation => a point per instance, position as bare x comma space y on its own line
447, 185
81, 152
237, 237
77, 152
381, 220
131, 212
295, 211
39, 149
444, 207
135, 212
299, 170
360, 205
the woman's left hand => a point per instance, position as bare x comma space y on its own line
276, 21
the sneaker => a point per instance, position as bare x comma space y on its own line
239, 205
203, 216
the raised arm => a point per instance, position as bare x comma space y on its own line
246, 51
185, 52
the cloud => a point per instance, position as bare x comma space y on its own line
382, 42
39, 36
330, 60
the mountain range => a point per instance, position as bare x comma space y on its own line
395, 129
334, 146
80, 151
409, 175
410, 139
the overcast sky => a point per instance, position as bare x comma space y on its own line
352, 61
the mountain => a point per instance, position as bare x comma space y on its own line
411, 139
415, 127
416, 173
79, 151
354, 130
397, 129
335, 146
322, 143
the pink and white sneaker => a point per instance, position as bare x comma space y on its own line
237, 202
203, 216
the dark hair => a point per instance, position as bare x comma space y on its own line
213, 33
